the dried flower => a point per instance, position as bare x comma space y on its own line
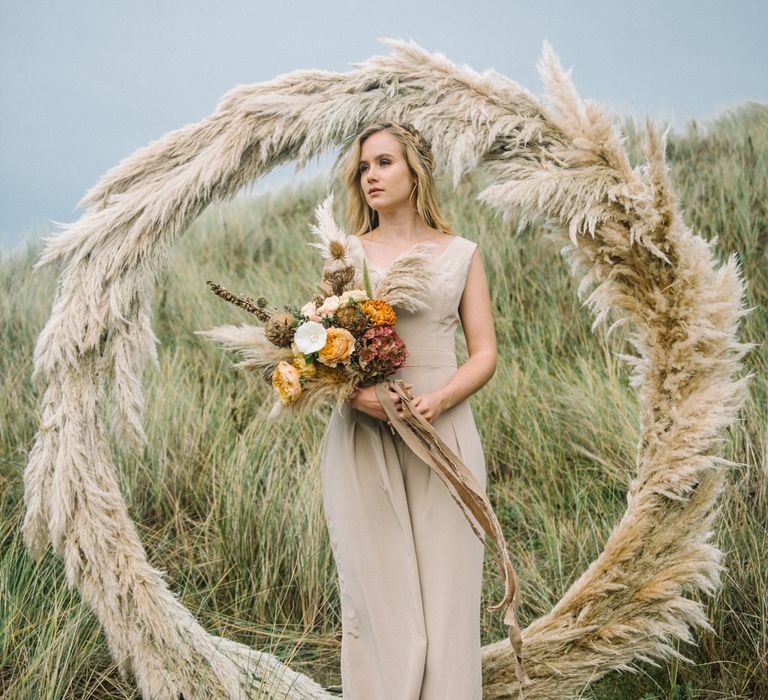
381, 352
329, 306
380, 312
279, 328
336, 375
305, 369
309, 310
353, 318
355, 294
286, 382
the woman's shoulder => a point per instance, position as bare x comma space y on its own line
464, 243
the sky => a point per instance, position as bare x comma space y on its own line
85, 83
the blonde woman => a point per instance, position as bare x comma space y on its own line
409, 565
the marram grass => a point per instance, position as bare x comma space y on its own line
233, 516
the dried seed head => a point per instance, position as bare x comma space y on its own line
340, 279
279, 329
337, 250
353, 318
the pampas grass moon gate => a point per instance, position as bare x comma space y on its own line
560, 160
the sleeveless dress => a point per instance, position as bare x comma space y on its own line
409, 565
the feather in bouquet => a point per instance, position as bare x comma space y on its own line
322, 350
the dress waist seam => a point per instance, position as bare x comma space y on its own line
430, 358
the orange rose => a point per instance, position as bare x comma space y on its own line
339, 345
286, 382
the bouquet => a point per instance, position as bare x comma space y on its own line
334, 342
346, 339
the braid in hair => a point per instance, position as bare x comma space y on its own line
422, 145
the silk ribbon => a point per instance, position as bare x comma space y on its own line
422, 438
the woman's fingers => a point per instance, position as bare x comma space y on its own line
397, 400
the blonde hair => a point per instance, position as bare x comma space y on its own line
417, 151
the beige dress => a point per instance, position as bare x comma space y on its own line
409, 565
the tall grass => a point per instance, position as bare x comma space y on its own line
232, 510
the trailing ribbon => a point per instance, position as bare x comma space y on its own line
422, 438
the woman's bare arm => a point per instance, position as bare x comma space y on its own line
476, 316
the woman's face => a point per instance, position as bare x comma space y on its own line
385, 178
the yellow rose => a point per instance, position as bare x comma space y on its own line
306, 369
286, 382
339, 345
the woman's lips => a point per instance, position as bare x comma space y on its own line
373, 192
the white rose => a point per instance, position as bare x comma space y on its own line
356, 294
309, 309
329, 305
310, 337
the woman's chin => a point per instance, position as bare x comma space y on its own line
386, 207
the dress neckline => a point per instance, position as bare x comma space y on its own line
406, 251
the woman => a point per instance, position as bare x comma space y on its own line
409, 564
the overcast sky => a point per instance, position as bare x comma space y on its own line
84, 83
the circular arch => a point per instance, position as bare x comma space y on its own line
561, 160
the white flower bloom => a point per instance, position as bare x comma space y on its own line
329, 305
310, 337
356, 294
309, 309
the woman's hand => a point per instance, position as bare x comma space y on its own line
430, 405
364, 399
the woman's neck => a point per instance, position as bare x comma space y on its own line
401, 226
